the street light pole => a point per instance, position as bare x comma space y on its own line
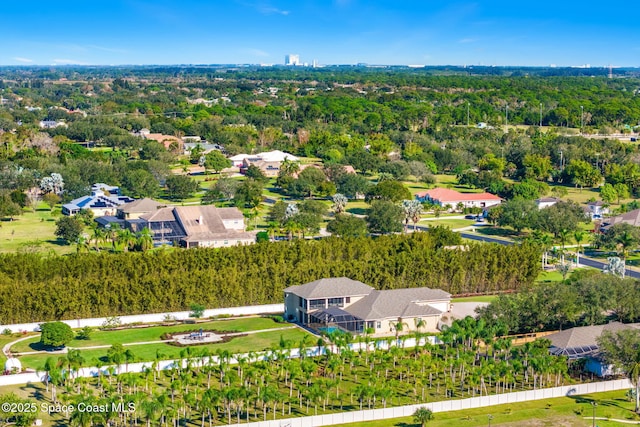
595, 405
541, 114
490, 418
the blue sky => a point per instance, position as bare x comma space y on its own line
429, 32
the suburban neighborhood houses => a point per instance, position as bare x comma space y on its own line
304, 245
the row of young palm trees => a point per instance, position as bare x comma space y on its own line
230, 389
122, 239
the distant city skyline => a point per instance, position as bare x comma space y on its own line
384, 32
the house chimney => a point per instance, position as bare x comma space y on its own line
200, 219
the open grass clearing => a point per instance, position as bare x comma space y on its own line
33, 231
560, 412
449, 222
154, 333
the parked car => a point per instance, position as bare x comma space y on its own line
470, 217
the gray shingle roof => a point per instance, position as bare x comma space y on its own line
631, 217
411, 302
328, 288
162, 214
141, 205
582, 341
202, 223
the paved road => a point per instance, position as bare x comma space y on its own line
589, 262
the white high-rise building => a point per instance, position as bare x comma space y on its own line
292, 59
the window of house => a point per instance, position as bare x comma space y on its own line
316, 303
336, 302
347, 300
378, 325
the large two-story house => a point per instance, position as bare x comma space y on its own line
355, 307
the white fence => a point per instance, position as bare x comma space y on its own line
138, 367
445, 406
158, 317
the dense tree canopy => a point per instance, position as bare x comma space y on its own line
102, 284
55, 334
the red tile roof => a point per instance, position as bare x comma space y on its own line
446, 195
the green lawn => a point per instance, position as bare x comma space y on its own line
32, 231
126, 336
564, 411
357, 207
6, 339
451, 223
147, 352
554, 275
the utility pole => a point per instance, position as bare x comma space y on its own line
490, 417
581, 119
595, 405
561, 162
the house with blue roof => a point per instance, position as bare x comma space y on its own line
103, 200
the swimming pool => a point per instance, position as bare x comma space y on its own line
329, 329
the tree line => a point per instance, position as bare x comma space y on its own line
107, 284
588, 297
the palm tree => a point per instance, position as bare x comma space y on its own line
625, 241
399, 327
412, 210
422, 416
339, 203
112, 233
129, 356
578, 236
564, 236
416, 214
634, 375
98, 237
437, 210
289, 168
125, 239
144, 239
272, 227
82, 245
151, 409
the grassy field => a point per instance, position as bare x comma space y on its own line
132, 335
32, 231
147, 352
565, 411
451, 223
6, 339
